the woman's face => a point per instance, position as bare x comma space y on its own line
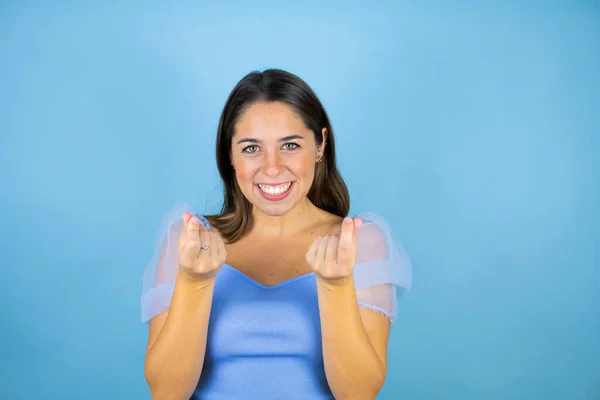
274, 155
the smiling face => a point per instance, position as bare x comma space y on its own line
274, 155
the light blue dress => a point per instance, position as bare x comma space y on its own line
264, 342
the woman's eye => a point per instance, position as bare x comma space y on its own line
250, 149
290, 146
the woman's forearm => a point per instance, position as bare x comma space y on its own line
352, 366
174, 362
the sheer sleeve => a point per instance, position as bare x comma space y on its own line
160, 273
383, 270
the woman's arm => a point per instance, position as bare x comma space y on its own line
177, 338
177, 341
354, 342
354, 339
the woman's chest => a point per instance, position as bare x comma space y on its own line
270, 264
251, 320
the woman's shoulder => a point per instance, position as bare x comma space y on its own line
375, 233
380, 254
371, 217
373, 222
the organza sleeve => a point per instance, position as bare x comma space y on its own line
160, 272
383, 270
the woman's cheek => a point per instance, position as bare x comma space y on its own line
247, 168
302, 165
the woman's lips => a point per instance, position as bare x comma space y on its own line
275, 192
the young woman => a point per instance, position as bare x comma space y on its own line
281, 295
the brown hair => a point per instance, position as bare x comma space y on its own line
328, 191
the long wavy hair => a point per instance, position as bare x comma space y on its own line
328, 191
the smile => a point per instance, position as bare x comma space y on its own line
275, 190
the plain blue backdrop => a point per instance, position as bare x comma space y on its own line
473, 127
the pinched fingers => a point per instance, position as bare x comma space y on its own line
331, 251
190, 240
199, 249
333, 257
321, 250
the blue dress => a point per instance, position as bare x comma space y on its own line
264, 342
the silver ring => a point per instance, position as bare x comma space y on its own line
205, 247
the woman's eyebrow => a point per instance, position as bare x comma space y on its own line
283, 139
291, 137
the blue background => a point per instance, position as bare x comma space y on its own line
473, 127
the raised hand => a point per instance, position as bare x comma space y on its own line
201, 252
332, 257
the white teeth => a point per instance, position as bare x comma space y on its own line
275, 190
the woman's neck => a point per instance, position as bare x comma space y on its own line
291, 223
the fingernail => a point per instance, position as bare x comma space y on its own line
195, 221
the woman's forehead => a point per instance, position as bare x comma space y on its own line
270, 121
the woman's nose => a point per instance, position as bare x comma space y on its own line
272, 164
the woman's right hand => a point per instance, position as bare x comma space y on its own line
197, 263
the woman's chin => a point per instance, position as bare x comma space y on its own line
274, 210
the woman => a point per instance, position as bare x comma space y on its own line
281, 295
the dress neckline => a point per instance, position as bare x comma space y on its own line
277, 285
253, 281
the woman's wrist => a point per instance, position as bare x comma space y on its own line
196, 282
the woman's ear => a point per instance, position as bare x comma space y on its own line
324, 133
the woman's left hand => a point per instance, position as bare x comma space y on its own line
332, 257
